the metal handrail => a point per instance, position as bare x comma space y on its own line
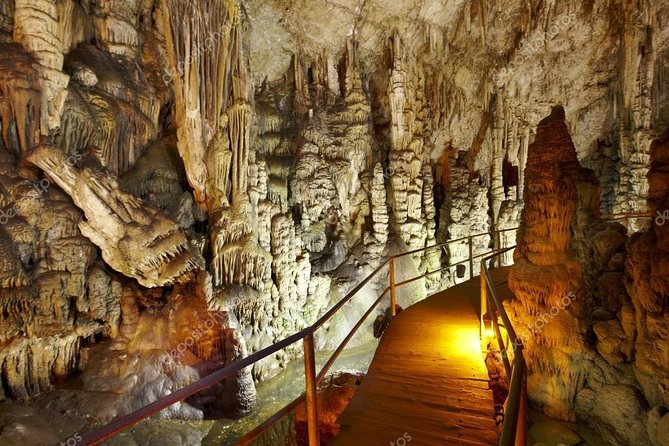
307, 336
514, 427
449, 242
626, 215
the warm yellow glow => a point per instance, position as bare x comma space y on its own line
464, 341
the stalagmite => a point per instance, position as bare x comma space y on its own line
646, 267
431, 260
464, 211
335, 150
407, 152
545, 276
216, 174
377, 238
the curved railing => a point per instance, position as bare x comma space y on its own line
515, 425
312, 380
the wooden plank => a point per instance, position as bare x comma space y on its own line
428, 378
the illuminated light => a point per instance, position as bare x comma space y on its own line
464, 341
487, 332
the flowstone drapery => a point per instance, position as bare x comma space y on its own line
545, 278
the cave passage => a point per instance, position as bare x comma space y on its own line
334, 222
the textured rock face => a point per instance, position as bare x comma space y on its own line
611, 379
545, 278
20, 109
464, 212
37, 28
135, 239
646, 282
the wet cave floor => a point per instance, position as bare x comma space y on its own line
55, 416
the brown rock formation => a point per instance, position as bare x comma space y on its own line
647, 282
545, 278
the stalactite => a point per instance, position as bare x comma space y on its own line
239, 128
409, 113
6, 21
28, 365
20, 99
29, 17
200, 40
116, 26
134, 238
635, 108
219, 161
498, 152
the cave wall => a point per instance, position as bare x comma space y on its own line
590, 307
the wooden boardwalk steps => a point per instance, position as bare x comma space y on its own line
427, 384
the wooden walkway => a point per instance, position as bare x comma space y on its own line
427, 384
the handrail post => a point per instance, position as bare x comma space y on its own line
392, 287
484, 299
521, 430
503, 347
311, 391
471, 258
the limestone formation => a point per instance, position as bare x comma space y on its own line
252, 161
464, 212
646, 283
135, 239
21, 99
377, 238
545, 279
37, 28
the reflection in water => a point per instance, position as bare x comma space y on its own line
276, 393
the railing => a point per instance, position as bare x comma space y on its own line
312, 380
629, 218
514, 428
